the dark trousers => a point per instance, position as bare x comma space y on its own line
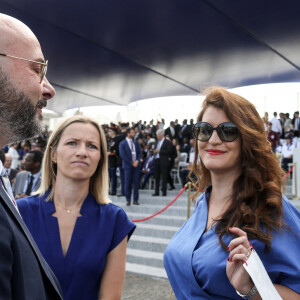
132, 176
113, 179
122, 180
146, 178
170, 179
285, 163
161, 170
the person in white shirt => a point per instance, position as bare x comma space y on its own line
287, 152
276, 125
288, 123
12, 151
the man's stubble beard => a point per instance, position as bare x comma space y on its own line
18, 119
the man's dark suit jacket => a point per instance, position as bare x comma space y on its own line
24, 274
151, 165
125, 153
168, 132
165, 153
187, 132
12, 174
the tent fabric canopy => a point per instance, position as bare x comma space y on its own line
116, 52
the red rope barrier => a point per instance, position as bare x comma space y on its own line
288, 173
179, 194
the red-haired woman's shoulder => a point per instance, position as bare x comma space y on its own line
291, 214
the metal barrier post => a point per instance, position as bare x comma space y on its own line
296, 159
295, 180
189, 184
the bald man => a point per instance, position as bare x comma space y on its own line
24, 91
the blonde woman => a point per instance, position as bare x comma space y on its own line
81, 234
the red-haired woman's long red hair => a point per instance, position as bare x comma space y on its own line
256, 199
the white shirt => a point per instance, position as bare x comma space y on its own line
172, 130
276, 125
287, 150
36, 177
131, 146
159, 146
296, 124
15, 158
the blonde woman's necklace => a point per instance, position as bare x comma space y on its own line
68, 210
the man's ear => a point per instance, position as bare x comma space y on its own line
37, 164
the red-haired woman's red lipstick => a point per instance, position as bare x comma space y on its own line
215, 152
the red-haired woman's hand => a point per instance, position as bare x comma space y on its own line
240, 250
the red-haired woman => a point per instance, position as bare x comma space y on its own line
242, 202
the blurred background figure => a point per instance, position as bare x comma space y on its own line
11, 173
29, 181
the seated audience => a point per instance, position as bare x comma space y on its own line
148, 169
185, 148
287, 153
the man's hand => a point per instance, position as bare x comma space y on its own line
20, 196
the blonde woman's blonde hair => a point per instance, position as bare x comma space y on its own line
98, 182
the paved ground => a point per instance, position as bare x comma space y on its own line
140, 287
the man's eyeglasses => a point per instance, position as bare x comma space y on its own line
226, 131
44, 65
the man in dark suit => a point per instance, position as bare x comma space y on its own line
153, 128
163, 155
131, 153
24, 89
11, 173
177, 126
171, 131
112, 158
148, 168
118, 139
138, 133
29, 181
186, 130
296, 123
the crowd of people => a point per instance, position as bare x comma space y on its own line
151, 152
283, 134
140, 151
67, 240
